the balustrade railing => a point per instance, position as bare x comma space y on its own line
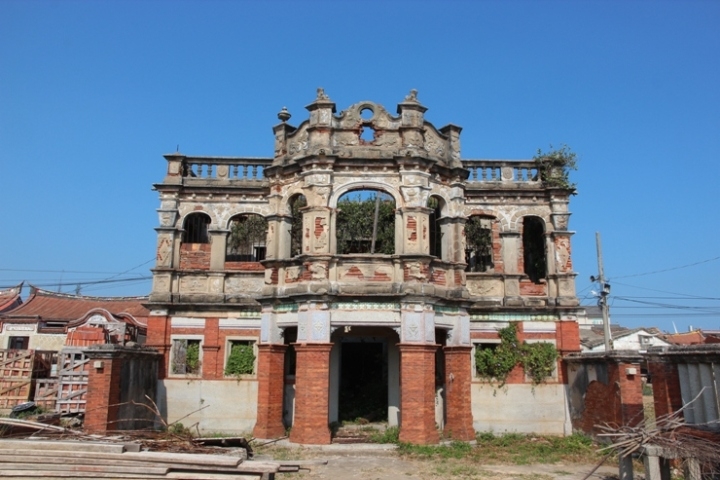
502, 171
221, 168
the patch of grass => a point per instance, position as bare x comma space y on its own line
390, 435
455, 449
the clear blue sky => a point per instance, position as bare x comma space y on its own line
92, 93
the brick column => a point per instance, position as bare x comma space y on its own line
417, 394
312, 392
666, 386
630, 392
158, 337
103, 391
458, 405
212, 363
271, 385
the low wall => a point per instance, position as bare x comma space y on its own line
230, 405
521, 409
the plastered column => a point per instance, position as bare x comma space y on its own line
458, 422
417, 394
271, 371
312, 389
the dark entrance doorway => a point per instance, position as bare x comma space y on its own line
363, 380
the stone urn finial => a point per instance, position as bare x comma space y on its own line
284, 115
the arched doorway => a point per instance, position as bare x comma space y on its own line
365, 375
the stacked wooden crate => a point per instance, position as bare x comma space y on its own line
19, 369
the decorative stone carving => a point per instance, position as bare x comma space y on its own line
562, 254
415, 271
292, 274
318, 271
485, 287
164, 252
193, 284
241, 285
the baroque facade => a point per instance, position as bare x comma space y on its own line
263, 256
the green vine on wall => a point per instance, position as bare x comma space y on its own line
241, 360
537, 359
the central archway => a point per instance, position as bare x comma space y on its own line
365, 375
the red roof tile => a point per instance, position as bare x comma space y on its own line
53, 306
10, 298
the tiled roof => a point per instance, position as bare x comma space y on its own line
695, 337
10, 298
595, 336
63, 307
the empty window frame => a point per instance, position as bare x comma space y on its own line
434, 203
246, 240
534, 251
240, 357
365, 223
297, 203
195, 228
479, 244
18, 343
186, 356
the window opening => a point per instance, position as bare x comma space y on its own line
357, 226
534, 255
246, 240
478, 244
196, 228
240, 358
186, 357
366, 113
18, 343
435, 231
367, 134
296, 225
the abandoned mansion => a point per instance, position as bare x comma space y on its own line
355, 274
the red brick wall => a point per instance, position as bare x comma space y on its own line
417, 394
245, 266
458, 422
158, 337
312, 382
195, 256
271, 365
666, 387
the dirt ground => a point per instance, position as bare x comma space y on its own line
386, 465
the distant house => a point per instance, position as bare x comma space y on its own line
694, 337
636, 339
46, 319
10, 298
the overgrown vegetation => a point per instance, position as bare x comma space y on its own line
241, 360
355, 224
297, 203
478, 248
555, 165
495, 362
511, 448
192, 358
246, 232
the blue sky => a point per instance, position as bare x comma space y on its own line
92, 94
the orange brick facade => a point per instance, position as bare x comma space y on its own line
271, 363
417, 394
312, 383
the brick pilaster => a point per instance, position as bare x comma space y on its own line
158, 338
666, 387
458, 421
312, 391
212, 363
103, 393
271, 371
417, 394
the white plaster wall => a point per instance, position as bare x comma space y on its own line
520, 409
231, 405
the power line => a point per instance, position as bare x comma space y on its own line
664, 291
669, 269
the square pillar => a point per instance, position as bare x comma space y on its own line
458, 404
312, 392
271, 384
666, 386
417, 394
102, 405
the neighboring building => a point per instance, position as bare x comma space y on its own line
10, 298
260, 263
45, 319
625, 339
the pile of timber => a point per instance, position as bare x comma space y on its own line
51, 459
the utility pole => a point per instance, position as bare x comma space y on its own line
604, 292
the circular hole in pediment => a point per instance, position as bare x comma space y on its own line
366, 113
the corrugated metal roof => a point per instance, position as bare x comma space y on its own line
53, 306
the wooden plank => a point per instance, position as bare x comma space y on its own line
145, 469
44, 445
51, 475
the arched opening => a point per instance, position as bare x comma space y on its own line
479, 244
195, 228
365, 223
246, 240
365, 382
297, 203
534, 251
436, 234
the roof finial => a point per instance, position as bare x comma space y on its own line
321, 94
284, 115
412, 96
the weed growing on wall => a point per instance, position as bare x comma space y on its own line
496, 362
555, 166
241, 360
